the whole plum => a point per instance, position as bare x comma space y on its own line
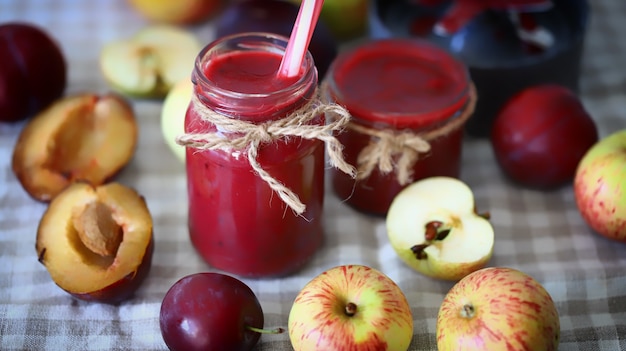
210, 311
278, 17
541, 134
33, 70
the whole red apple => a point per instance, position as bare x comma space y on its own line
32, 71
350, 308
498, 308
600, 186
540, 135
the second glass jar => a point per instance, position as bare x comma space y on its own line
398, 87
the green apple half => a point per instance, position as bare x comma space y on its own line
351, 307
173, 114
498, 308
149, 63
434, 228
600, 186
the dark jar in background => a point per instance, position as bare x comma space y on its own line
237, 222
498, 42
409, 101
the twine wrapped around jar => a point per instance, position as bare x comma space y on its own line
406, 145
242, 135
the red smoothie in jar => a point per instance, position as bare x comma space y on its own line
398, 86
236, 221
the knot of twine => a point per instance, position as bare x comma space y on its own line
406, 145
242, 135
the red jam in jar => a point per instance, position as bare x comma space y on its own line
409, 101
237, 222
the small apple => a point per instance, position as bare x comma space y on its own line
347, 19
540, 135
96, 242
211, 311
149, 63
350, 307
177, 12
600, 186
433, 226
33, 70
173, 115
498, 308
84, 137
276, 16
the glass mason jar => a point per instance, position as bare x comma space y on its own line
409, 101
237, 222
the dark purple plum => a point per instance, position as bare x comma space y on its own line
278, 17
541, 134
210, 311
33, 70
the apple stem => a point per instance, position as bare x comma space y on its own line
265, 331
418, 251
350, 309
467, 311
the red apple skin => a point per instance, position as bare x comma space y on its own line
498, 308
124, 288
33, 71
541, 134
600, 187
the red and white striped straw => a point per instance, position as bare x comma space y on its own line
300, 37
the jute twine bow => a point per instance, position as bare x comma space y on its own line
405, 145
242, 135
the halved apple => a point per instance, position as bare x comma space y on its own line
96, 241
149, 63
84, 137
173, 115
433, 226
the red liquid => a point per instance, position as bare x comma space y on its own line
236, 222
397, 84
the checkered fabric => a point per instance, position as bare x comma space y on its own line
540, 233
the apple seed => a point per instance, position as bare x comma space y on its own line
442, 234
97, 229
432, 232
350, 309
432, 228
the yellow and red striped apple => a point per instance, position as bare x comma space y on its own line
351, 307
434, 228
498, 308
173, 114
600, 186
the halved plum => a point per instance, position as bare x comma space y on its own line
85, 137
97, 241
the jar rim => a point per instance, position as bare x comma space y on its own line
429, 57
247, 102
